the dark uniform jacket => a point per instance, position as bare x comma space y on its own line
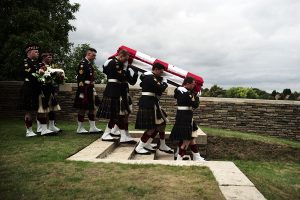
152, 84
30, 67
85, 75
130, 79
31, 87
186, 98
114, 70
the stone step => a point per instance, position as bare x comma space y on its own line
97, 149
201, 139
121, 152
160, 155
143, 157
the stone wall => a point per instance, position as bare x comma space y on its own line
279, 118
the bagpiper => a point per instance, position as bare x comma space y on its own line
185, 128
86, 96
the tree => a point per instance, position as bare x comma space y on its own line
72, 61
205, 92
43, 22
286, 92
216, 91
241, 92
262, 94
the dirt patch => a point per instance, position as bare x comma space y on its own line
235, 148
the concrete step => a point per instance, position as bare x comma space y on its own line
143, 157
97, 149
122, 152
201, 139
160, 155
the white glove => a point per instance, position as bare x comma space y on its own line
81, 95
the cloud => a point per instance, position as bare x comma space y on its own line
229, 43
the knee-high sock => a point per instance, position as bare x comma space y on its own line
145, 137
80, 118
91, 117
111, 123
28, 122
162, 135
51, 115
42, 120
181, 152
194, 148
154, 134
121, 123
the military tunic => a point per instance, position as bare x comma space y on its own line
110, 106
31, 87
86, 97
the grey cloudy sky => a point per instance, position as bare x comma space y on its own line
229, 43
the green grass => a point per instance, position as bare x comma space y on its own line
250, 136
275, 180
36, 168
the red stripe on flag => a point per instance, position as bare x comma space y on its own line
130, 51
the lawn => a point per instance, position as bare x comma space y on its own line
36, 168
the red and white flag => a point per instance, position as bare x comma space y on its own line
173, 74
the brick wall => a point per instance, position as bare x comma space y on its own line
280, 118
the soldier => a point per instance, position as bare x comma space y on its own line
110, 107
185, 129
86, 96
150, 115
53, 77
126, 102
31, 87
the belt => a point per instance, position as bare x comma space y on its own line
88, 82
113, 81
184, 108
148, 94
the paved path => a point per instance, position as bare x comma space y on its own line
232, 182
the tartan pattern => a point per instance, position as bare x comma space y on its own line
145, 119
88, 102
184, 126
109, 108
29, 100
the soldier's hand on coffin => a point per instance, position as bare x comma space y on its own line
81, 95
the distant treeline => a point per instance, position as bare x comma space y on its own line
249, 93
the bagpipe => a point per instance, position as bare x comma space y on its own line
173, 74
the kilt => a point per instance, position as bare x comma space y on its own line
53, 104
88, 102
47, 104
148, 118
109, 107
184, 125
29, 96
